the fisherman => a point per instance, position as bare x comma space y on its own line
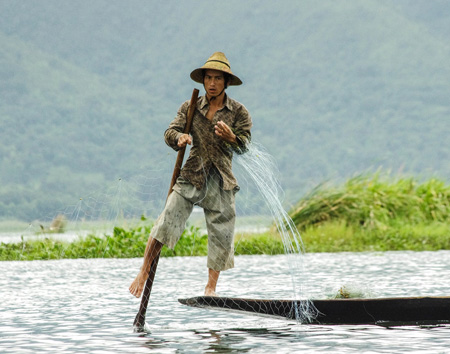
220, 127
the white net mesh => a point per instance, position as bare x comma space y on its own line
261, 226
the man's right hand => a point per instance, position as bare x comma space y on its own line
183, 140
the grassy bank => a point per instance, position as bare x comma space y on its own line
337, 236
375, 213
367, 213
130, 243
375, 202
333, 236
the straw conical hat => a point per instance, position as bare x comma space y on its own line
217, 61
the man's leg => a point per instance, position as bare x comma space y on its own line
220, 217
151, 251
213, 276
220, 227
166, 231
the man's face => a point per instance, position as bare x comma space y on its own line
214, 82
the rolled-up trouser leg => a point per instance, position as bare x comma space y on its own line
220, 215
171, 223
219, 208
220, 226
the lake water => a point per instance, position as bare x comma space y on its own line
74, 306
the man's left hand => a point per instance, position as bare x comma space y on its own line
224, 132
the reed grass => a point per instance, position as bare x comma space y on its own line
375, 202
268, 243
375, 213
337, 236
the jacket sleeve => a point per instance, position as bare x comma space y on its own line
241, 129
176, 127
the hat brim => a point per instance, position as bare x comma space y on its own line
197, 76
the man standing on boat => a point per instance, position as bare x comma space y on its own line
220, 127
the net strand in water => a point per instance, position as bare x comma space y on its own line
262, 169
129, 197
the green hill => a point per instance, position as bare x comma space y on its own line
64, 130
334, 88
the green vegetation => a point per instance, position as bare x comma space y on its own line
367, 213
267, 243
372, 213
128, 244
375, 202
121, 244
335, 236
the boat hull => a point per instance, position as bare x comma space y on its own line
379, 311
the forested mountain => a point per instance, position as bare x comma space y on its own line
335, 88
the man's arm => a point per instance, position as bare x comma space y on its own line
174, 133
237, 137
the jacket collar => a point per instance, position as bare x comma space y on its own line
203, 103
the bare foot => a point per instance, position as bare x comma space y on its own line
137, 286
210, 288
210, 292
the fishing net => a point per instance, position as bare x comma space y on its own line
116, 221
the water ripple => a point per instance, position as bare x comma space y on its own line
73, 306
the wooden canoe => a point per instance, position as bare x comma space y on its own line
399, 311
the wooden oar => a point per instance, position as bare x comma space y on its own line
139, 321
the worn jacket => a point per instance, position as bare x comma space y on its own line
207, 148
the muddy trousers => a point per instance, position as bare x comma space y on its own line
220, 215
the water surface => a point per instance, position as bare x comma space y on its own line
73, 306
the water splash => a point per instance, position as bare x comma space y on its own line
262, 169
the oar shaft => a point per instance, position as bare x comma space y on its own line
139, 321
187, 130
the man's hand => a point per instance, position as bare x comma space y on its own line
183, 140
224, 132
